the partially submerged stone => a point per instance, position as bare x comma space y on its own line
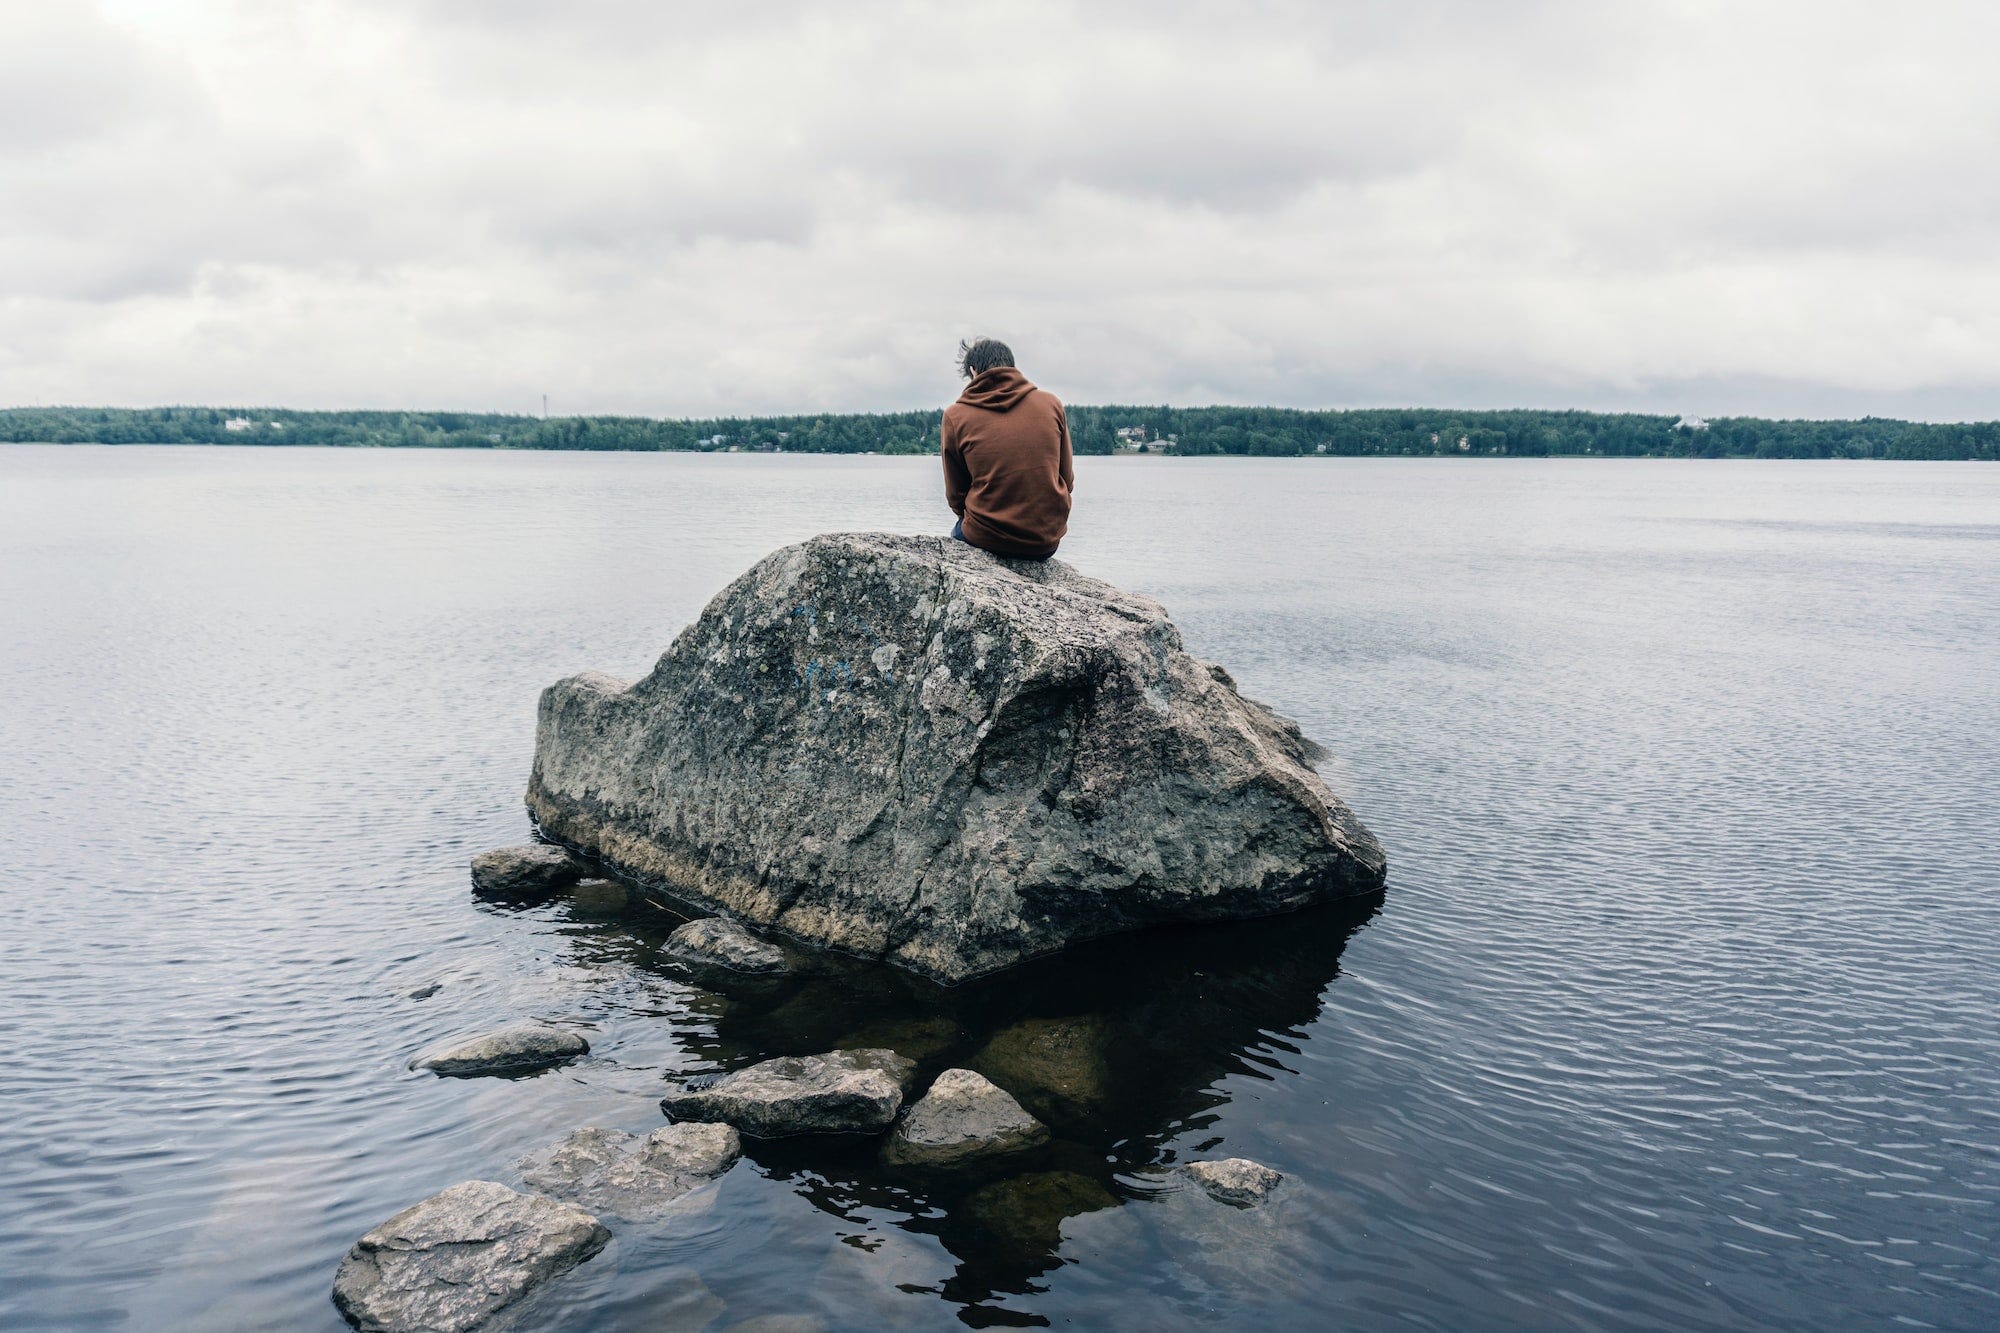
532, 870
1056, 1066
962, 1117
841, 1092
906, 748
1235, 1180
624, 1175
511, 1050
719, 942
459, 1257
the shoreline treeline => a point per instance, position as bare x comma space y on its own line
1257, 431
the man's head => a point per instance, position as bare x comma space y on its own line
981, 355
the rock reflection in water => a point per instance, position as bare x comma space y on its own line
1118, 1046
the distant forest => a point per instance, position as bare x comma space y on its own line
1262, 431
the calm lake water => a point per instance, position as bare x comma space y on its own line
1682, 1008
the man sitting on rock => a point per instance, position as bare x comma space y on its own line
1008, 473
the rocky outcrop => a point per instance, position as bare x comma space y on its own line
841, 1092
1236, 1180
532, 870
962, 1117
459, 1257
623, 1175
906, 748
718, 942
510, 1050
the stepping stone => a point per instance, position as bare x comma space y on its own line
454, 1260
1236, 1180
534, 869
841, 1092
609, 1171
962, 1117
719, 942
511, 1050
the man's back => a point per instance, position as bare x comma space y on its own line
1007, 465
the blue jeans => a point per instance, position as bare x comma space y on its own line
958, 531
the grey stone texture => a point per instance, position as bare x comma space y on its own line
454, 1260
841, 1092
623, 1175
908, 749
534, 869
1236, 1180
510, 1050
962, 1117
719, 942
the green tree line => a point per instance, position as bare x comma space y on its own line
1260, 431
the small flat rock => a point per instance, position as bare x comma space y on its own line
511, 1050
962, 1117
840, 1092
454, 1260
531, 870
612, 1172
719, 942
1236, 1180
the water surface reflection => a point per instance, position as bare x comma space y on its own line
1119, 1045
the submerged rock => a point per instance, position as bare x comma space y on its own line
719, 942
917, 1039
460, 1256
1054, 1065
1026, 1213
515, 1049
960, 1118
610, 1171
1236, 1180
531, 870
598, 897
906, 748
841, 1092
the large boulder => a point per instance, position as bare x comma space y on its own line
909, 749
459, 1257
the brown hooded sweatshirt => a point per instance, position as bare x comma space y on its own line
1008, 473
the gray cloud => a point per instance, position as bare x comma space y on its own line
682, 208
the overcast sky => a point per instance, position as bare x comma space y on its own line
690, 209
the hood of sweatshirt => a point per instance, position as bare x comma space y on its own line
997, 390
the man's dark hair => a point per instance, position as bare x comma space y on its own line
981, 355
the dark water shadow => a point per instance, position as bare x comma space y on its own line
1118, 1046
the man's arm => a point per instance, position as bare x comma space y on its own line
1067, 467
957, 481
